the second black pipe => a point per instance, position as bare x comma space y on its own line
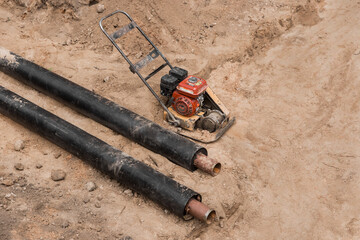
136, 175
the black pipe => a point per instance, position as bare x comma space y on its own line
118, 165
129, 124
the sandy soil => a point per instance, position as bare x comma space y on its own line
288, 70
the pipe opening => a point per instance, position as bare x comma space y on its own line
211, 217
217, 169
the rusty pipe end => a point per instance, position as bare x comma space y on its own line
207, 164
200, 211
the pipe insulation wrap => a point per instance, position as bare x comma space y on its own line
118, 165
150, 135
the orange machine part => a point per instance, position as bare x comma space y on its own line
184, 105
192, 86
185, 97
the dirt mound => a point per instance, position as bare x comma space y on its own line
289, 164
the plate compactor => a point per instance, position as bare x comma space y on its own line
190, 103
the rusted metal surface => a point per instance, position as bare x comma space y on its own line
207, 164
119, 33
143, 62
200, 211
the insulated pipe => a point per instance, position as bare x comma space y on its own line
118, 165
150, 135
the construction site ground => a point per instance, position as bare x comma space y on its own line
288, 71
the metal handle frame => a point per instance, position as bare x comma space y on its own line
136, 67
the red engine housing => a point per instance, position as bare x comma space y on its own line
188, 94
